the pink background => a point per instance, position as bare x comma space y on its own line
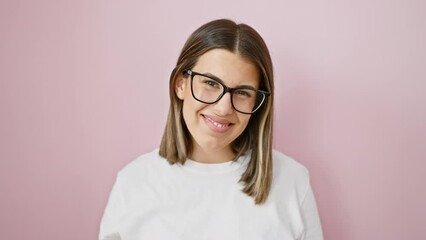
83, 91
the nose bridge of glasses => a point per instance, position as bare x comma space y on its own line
225, 91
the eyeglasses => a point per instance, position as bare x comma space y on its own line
209, 90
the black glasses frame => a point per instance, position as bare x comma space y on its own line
226, 89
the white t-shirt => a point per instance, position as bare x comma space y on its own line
152, 199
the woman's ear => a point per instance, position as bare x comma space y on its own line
180, 87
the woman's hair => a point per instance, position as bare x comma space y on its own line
241, 39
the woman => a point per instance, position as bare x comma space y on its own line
215, 175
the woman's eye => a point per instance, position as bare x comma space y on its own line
244, 93
211, 83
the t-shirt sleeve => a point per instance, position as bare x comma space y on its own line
109, 227
310, 216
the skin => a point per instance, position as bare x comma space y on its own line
214, 127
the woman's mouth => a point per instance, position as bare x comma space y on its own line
217, 124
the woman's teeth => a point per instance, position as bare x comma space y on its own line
219, 125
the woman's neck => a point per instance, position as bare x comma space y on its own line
212, 155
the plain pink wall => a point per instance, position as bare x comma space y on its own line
83, 91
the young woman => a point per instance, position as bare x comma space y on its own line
215, 175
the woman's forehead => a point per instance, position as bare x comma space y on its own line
231, 68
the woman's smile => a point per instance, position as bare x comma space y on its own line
216, 124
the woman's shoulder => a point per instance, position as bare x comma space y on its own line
143, 164
288, 167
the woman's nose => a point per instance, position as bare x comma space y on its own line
224, 105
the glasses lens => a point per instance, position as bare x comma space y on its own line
206, 89
247, 100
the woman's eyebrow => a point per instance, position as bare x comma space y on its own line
246, 87
207, 74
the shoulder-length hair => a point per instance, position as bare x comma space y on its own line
176, 143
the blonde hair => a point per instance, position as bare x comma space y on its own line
176, 143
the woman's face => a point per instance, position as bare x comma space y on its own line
214, 127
